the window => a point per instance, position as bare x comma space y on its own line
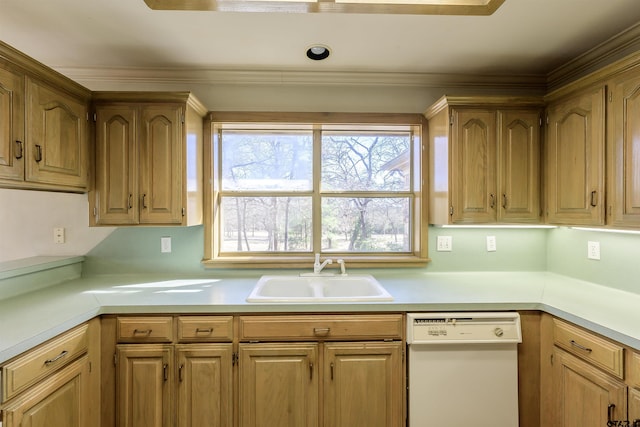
289, 186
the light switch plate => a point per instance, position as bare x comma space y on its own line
444, 244
58, 235
491, 244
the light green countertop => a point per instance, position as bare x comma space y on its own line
29, 319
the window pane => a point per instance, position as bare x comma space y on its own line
266, 224
365, 161
366, 224
267, 161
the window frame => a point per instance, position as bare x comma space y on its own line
212, 255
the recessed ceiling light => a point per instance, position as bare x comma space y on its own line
318, 52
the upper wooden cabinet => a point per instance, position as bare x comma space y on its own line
575, 159
56, 137
484, 160
624, 128
44, 134
11, 125
148, 164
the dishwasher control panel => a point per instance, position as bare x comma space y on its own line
431, 328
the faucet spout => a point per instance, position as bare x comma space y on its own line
317, 266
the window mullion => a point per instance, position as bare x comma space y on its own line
316, 200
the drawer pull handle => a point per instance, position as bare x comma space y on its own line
55, 359
311, 370
165, 372
204, 330
180, 375
142, 331
581, 347
331, 369
321, 332
610, 410
594, 200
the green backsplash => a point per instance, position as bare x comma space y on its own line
559, 250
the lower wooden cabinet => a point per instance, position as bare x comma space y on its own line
363, 384
54, 384
584, 395
62, 400
278, 385
159, 383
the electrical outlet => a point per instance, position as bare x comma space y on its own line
445, 244
165, 245
58, 235
593, 250
491, 244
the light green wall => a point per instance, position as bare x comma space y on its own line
137, 250
561, 250
619, 264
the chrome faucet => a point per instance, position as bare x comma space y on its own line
317, 267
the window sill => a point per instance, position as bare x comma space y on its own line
306, 261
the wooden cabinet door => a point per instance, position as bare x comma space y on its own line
626, 156
575, 160
583, 394
473, 164
116, 166
634, 405
161, 164
61, 400
519, 166
205, 397
363, 384
278, 385
56, 137
144, 382
11, 125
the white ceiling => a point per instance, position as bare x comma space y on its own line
522, 37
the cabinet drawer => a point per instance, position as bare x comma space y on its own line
323, 328
31, 367
601, 353
145, 329
633, 375
205, 328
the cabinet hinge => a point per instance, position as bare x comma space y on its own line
450, 210
182, 119
90, 367
115, 359
451, 119
184, 211
547, 120
552, 359
95, 117
87, 116
540, 122
95, 211
234, 358
610, 97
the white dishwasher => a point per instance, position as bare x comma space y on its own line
463, 369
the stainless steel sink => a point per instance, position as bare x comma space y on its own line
318, 289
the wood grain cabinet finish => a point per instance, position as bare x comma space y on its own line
484, 160
11, 125
625, 164
44, 127
56, 383
321, 370
63, 400
56, 137
584, 395
575, 159
148, 166
363, 384
278, 382
162, 383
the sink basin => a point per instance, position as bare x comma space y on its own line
318, 289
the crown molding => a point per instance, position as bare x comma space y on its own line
614, 49
86, 75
